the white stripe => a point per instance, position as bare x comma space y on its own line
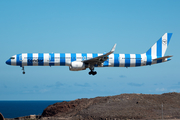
24, 59
89, 55
154, 51
78, 57
122, 60
164, 43
99, 54
57, 59
132, 60
111, 60
13, 61
143, 60
46, 59
35, 59
67, 59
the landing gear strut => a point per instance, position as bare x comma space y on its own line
23, 70
92, 72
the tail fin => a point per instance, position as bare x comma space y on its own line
159, 48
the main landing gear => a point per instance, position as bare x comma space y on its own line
23, 70
92, 72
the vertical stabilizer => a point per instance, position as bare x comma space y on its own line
159, 48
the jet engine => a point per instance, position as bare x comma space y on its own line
77, 66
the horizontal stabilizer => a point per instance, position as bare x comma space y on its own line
162, 57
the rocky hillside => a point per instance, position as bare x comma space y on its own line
124, 106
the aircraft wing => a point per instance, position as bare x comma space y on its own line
100, 59
162, 57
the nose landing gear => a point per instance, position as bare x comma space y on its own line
23, 70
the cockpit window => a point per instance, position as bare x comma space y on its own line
12, 57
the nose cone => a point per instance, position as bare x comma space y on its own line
8, 62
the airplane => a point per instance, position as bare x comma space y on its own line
82, 61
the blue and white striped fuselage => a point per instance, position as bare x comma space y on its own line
65, 59
81, 61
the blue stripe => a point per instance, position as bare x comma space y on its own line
159, 49
17, 59
138, 59
95, 55
29, 59
149, 60
62, 58
148, 54
73, 57
116, 60
40, 59
168, 37
51, 62
127, 60
18, 62
84, 55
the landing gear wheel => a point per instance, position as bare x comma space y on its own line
92, 72
23, 72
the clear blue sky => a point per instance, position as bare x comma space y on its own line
66, 26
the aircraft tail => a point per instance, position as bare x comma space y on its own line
159, 48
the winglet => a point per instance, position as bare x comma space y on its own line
113, 49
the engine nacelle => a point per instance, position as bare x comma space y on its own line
77, 66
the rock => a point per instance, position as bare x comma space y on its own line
1, 117
124, 106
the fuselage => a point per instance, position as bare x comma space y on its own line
81, 61
65, 59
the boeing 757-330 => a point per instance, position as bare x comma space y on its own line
82, 61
